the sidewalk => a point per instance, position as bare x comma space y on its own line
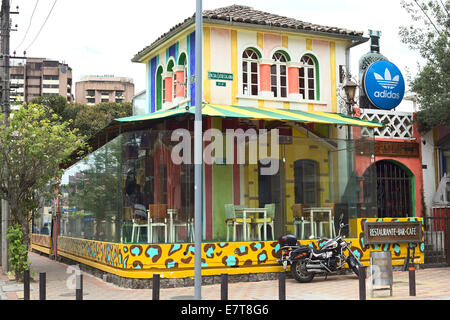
431, 284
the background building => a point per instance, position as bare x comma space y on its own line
34, 77
105, 88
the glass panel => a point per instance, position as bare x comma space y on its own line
254, 67
134, 190
255, 90
310, 73
254, 78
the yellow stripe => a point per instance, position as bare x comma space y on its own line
254, 114
333, 76
285, 41
310, 107
295, 115
350, 121
309, 44
234, 67
260, 40
207, 63
286, 105
260, 103
210, 111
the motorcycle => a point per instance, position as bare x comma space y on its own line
306, 261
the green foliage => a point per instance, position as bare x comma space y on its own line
86, 119
91, 119
17, 251
32, 147
430, 37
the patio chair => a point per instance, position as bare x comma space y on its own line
300, 218
233, 221
324, 220
157, 217
270, 216
139, 219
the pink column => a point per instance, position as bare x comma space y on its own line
180, 88
293, 80
264, 76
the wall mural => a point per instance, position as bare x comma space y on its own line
166, 258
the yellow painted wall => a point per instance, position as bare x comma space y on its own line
177, 260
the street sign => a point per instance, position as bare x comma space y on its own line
384, 84
220, 76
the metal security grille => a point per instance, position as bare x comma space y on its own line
393, 190
436, 238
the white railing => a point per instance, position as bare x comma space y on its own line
398, 124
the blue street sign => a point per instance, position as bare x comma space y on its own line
384, 85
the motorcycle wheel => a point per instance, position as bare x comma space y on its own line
353, 264
298, 270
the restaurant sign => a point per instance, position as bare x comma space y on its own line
392, 232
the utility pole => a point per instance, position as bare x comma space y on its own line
4, 98
198, 151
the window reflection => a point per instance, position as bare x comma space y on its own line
130, 191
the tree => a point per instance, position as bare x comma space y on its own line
87, 119
32, 148
430, 37
91, 119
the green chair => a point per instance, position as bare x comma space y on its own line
233, 221
270, 217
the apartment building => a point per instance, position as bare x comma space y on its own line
104, 88
34, 77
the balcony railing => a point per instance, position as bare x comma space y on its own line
398, 124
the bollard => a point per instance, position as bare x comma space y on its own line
42, 284
26, 285
282, 285
224, 286
362, 283
79, 287
155, 290
412, 280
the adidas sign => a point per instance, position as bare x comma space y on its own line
386, 94
384, 85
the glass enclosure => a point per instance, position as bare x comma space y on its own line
257, 185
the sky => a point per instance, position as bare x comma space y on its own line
99, 37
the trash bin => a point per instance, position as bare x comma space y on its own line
380, 271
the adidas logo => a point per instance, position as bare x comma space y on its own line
387, 82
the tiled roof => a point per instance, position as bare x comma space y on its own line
248, 15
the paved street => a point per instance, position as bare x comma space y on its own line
432, 284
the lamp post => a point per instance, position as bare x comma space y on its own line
350, 92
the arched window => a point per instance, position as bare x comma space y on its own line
278, 75
250, 72
170, 66
160, 89
182, 61
306, 181
185, 72
307, 78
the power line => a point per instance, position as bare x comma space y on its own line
39, 32
29, 25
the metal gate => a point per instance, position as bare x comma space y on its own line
437, 240
393, 190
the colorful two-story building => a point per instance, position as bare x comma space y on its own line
279, 156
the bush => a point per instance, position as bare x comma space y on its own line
17, 251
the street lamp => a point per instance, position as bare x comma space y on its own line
350, 91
